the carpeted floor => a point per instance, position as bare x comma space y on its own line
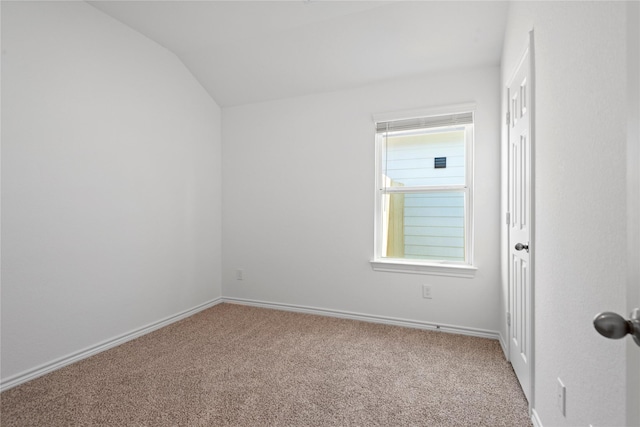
235, 365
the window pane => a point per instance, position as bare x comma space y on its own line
409, 158
424, 226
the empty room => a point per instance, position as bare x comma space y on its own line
320, 213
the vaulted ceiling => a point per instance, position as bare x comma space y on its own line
251, 51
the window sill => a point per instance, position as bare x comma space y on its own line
435, 269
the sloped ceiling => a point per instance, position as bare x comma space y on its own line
251, 51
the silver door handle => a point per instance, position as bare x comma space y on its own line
614, 326
520, 246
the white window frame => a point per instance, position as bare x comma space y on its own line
416, 266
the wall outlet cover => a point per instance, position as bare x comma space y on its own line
426, 291
561, 397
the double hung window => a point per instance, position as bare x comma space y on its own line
424, 183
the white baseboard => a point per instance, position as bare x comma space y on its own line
43, 369
418, 324
46, 368
535, 419
503, 344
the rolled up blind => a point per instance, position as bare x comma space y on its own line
425, 122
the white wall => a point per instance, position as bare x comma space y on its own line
580, 143
299, 197
633, 204
110, 183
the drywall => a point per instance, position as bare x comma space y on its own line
111, 183
580, 146
298, 202
633, 204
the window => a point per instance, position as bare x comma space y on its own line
424, 192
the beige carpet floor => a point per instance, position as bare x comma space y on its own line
234, 365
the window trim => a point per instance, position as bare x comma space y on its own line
432, 267
443, 268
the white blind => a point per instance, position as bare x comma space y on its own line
425, 122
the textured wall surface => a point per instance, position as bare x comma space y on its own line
580, 146
110, 183
299, 198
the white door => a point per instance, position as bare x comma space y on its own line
519, 92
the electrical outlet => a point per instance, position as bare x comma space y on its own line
561, 397
239, 274
426, 291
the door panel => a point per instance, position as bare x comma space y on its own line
520, 283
